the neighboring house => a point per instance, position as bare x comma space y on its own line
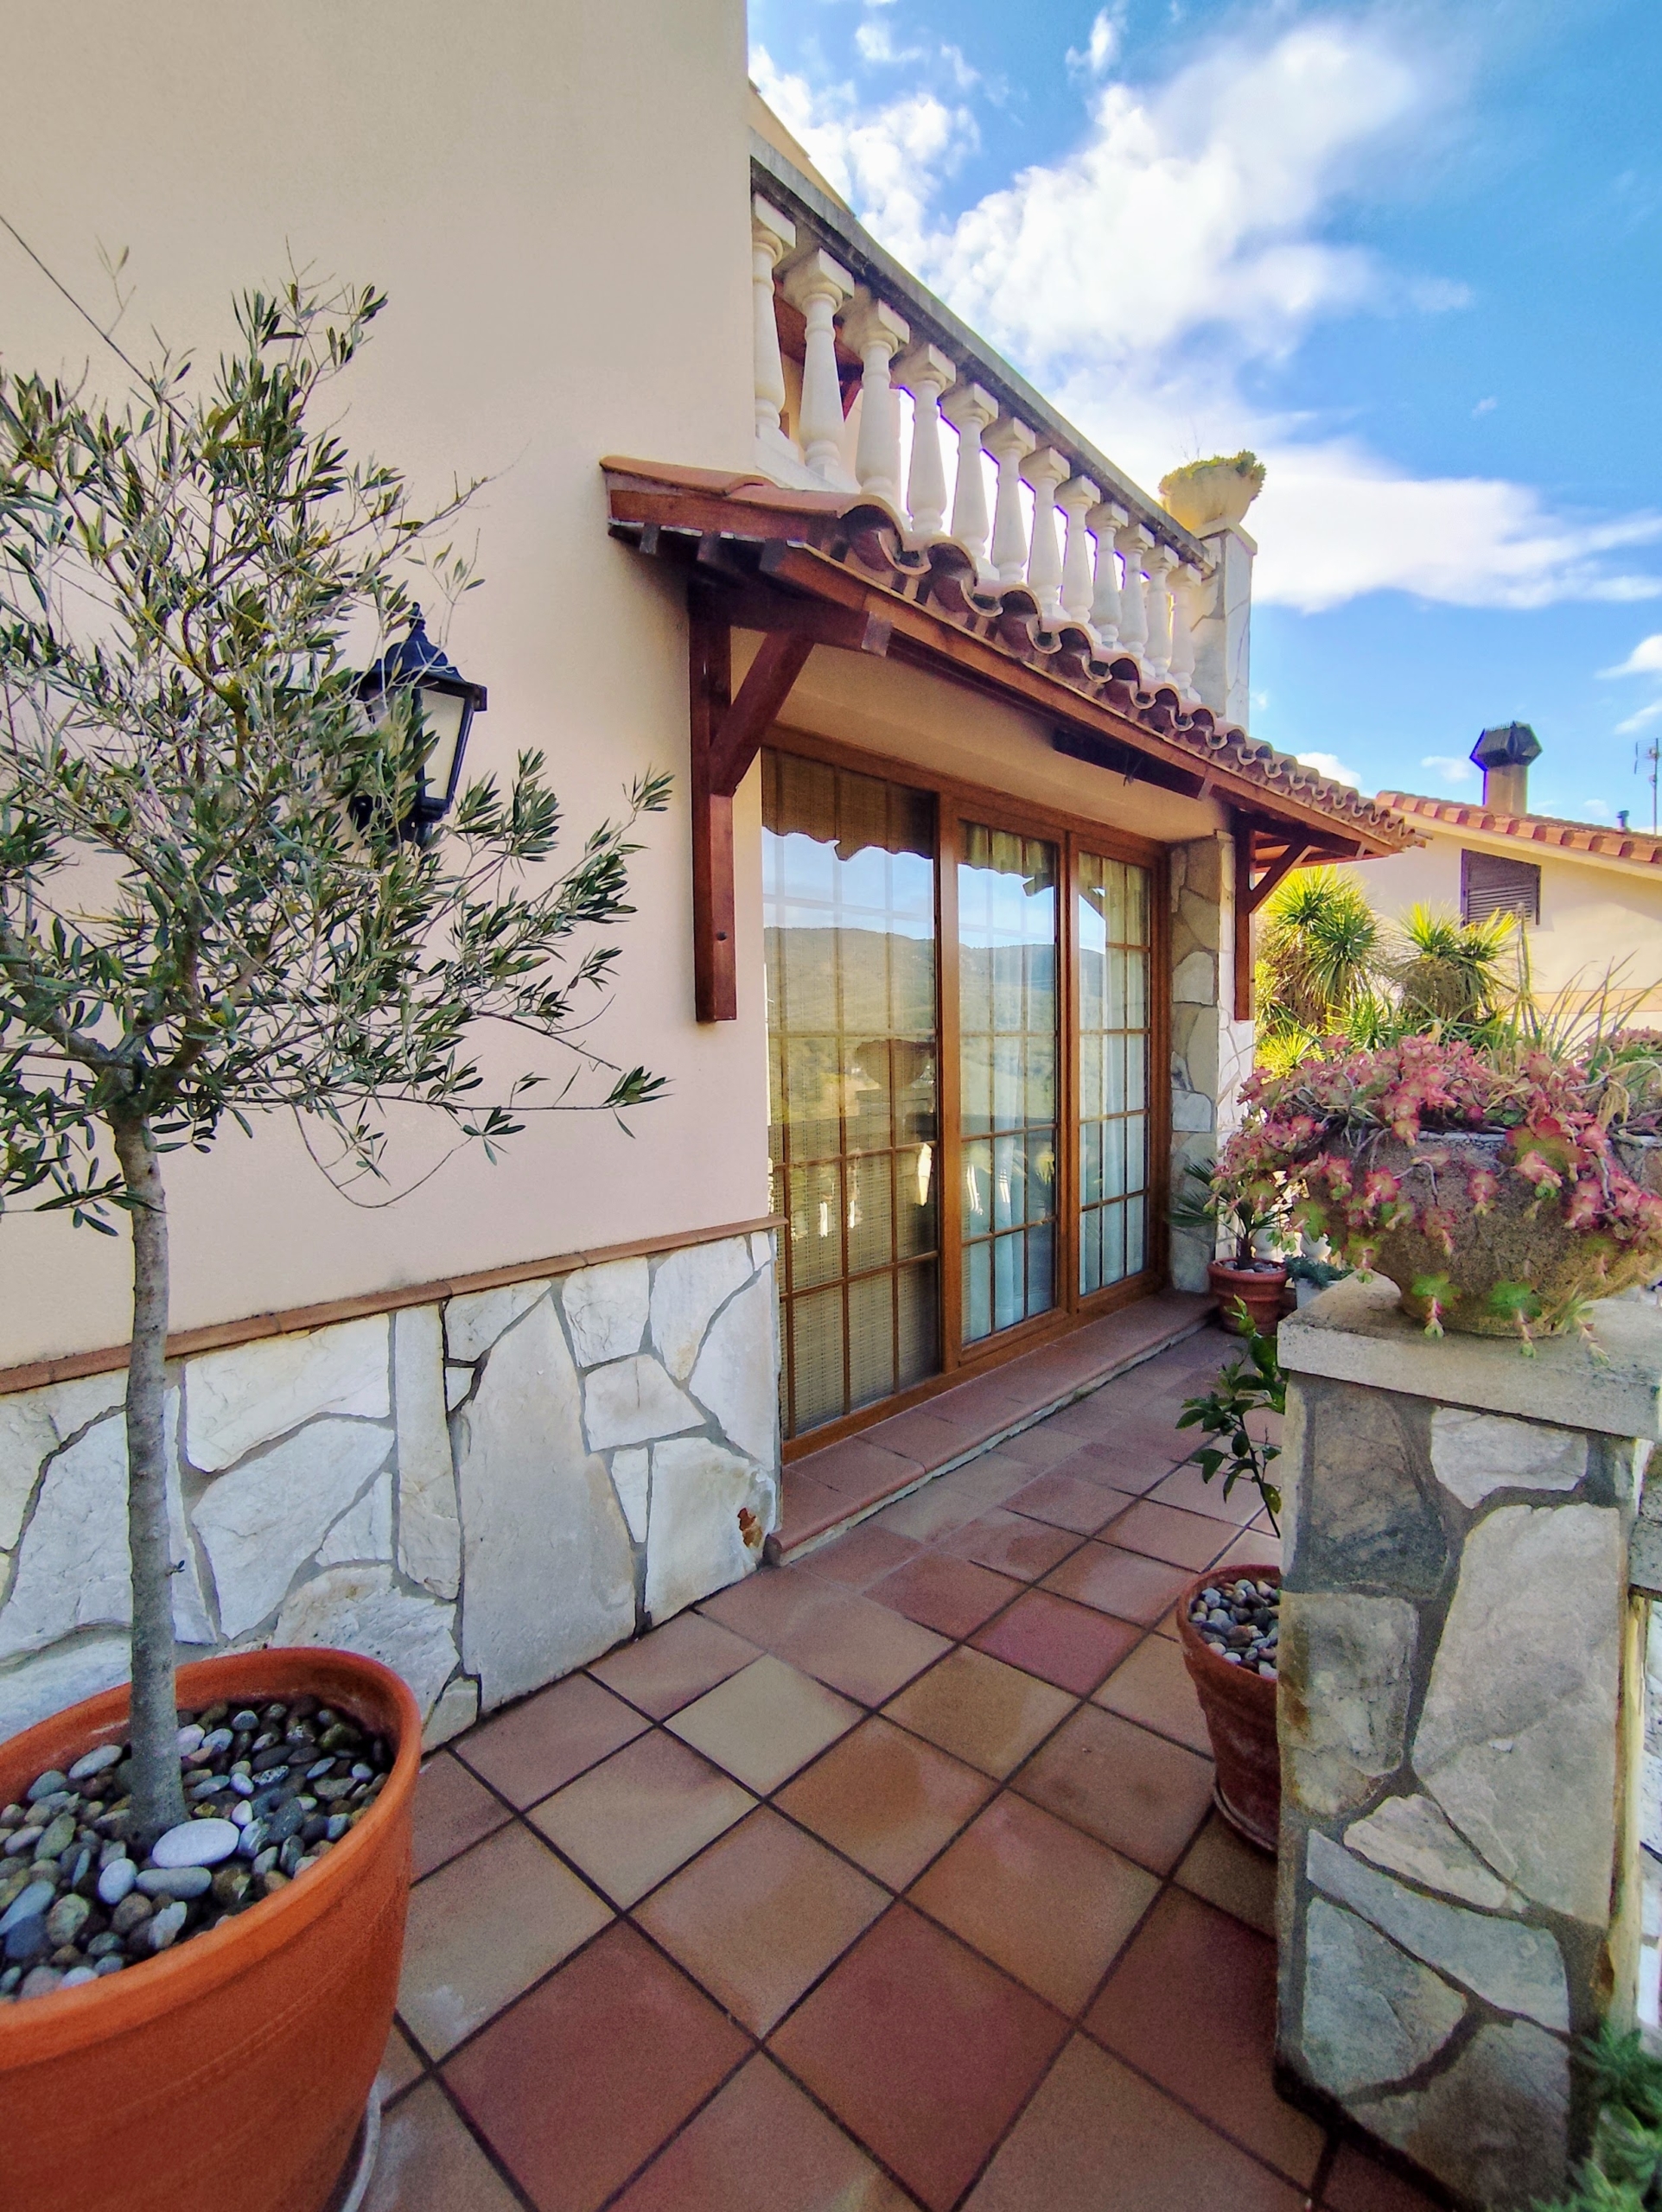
939, 948
1587, 898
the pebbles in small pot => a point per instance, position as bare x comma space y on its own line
78, 1900
1240, 1620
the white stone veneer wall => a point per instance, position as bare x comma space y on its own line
484, 1492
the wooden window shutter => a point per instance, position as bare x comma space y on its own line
1494, 883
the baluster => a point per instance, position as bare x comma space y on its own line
819, 286
1106, 520
926, 372
772, 236
1046, 470
1160, 564
1185, 612
877, 334
1009, 442
970, 411
1076, 500
1134, 542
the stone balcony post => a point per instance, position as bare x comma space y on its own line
819, 286
1159, 564
1107, 520
877, 334
1076, 500
1134, 542
1186, 583
1223, 629
1045, 471
970, 411
772, 236
1462, 1665
926, 372
1009, 442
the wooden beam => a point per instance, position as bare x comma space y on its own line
715, 962
1244, 836
1277, 872
736, 739
847, 629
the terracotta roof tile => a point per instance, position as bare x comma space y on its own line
1580, 840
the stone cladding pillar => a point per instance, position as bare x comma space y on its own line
1461, 1681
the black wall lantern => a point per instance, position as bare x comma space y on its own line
447, 702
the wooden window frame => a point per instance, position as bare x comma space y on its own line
957, 802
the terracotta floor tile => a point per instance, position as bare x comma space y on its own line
1124, 1584
859, 1468
428, 2163
937, 1433
485, 1927
1190, 1540
543, 1741
952, 1595
763, 1724
402, 2065
769, 1603
1153, 1688
1251, 1550
987, 1480
662, 1672
1011, 1544
1129, 1789
1187, 1488
632, 1821
1070, 1645
1039, 1446
452, 1809
761, 2146
1119, 1465
886, 1800
860, 1557
922, 2050
1359, 2184
1038, 1898
580, 2082
760, 1916
1066, 1502
860, 1647
1096, 2138
807, 1509
1193, 2003
1232, 1873
933, 1511
983, 1713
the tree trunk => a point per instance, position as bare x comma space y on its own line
159, 1797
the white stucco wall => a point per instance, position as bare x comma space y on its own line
1595, 915
555, 198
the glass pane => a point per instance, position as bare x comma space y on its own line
1006, 1012
1112, 923
849, 936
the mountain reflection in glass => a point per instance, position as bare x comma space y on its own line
1111, 928
1007, 1015
848, 920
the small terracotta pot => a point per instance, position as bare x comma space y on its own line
1240, 1717
232, 2071
1258, 1289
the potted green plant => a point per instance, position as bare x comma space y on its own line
1203, 493
1247, 1215
1488, 1184
221, 896
1229, 1622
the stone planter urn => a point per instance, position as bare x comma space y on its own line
1205, 494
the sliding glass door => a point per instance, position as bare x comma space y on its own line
1112, 955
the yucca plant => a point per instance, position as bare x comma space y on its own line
1450, 971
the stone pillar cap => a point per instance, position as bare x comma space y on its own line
1356, 1332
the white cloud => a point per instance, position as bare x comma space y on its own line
1103, 45
1485, 407
1642, 720
1329, 764
1148, 277
1646, 658
1451, 766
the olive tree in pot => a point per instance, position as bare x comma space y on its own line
215, 902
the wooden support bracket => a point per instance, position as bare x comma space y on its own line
726, 734
1250, 895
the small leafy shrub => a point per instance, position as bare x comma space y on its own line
1253, 1384
1622, 2174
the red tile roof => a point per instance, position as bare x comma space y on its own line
1576, 840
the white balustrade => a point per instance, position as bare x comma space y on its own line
1185, 612
1076, 500
819, 286
877, 334
772, 236
1009, 442
1045, 471
1159, 565
970, 411
926, 372
1134, 543
1106, 520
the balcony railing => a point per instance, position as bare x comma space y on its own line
842, 331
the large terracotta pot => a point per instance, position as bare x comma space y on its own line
1259, 1289
1240, 1717
229, 2074
1516, 1241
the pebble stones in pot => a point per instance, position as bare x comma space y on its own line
1229, 1627
271, 1789
1241, 1622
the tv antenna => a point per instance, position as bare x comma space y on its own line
1652, 754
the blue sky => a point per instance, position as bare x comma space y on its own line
1411, 253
